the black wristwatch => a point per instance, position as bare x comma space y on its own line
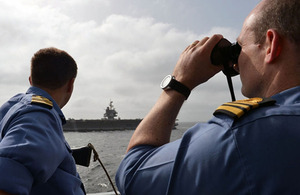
170, 82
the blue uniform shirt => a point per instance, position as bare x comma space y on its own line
258, 153
34, 156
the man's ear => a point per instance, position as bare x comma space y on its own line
70, 85
273, 45
30, 80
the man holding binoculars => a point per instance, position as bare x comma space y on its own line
248, 147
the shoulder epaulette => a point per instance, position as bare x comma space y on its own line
42, 101
238, 108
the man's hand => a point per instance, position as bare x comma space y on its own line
194, 66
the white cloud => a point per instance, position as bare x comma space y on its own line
121, 57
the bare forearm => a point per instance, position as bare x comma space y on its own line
156, 127
192, 68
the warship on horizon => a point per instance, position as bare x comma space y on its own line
109, 122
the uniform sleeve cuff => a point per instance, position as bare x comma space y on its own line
14, 178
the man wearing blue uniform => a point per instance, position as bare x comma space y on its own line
248, 147
34, 155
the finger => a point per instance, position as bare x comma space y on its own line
212, 41
192, 45
195, 43
198, 43
203, 40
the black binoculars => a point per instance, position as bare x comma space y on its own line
226, 53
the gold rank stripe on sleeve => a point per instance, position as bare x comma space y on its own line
238, 108
42, 101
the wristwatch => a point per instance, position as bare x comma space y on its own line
170, 82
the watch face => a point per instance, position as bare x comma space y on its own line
165, 82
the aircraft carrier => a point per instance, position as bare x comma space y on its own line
109, 122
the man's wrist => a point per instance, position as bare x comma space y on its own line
169, 82
173, 94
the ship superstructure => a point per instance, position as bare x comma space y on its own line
109, 122
110, 112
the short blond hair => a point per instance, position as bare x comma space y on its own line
281, 15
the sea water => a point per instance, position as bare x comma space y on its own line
111, 147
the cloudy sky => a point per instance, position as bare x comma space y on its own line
123, 49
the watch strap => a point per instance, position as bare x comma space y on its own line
179, 87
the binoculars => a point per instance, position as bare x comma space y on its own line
226, 53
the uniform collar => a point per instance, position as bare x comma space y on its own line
41, 92
289, 96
